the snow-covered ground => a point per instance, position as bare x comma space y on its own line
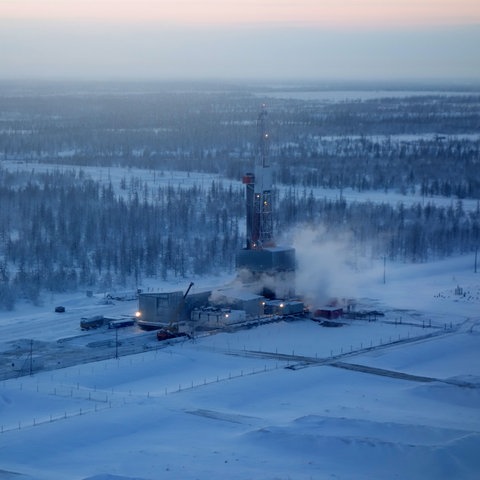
398, 397
286, 400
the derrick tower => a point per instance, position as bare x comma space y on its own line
268, 268
259, 191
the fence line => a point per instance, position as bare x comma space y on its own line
108, 399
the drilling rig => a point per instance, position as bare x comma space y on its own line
259, 192
269, 269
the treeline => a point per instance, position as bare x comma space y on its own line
433, 166
416, 233
424, 143
61, 231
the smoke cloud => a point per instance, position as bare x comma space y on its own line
324, 266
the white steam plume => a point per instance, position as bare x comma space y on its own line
323, 270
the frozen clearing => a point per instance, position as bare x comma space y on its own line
227, 406
180, 179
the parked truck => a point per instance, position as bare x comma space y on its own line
87, 323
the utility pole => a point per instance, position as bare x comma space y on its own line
31, 357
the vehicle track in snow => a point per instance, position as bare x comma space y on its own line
26, 357
296, 362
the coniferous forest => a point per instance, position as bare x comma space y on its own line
63, 228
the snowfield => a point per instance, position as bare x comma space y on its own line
398, 397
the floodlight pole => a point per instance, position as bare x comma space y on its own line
384, 269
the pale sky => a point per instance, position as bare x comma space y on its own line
235, 39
